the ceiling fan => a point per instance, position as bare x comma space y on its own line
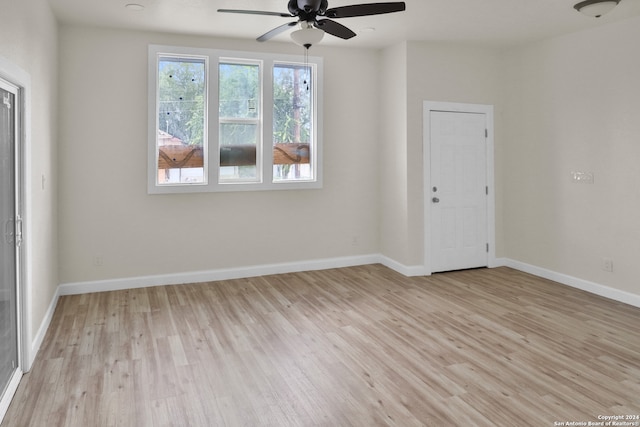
308, 12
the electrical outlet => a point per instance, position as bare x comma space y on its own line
607, 264
98, 261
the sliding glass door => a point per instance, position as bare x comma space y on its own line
10, 239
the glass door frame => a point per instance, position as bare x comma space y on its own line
19, 141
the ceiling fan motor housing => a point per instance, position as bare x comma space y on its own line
318, 6
308, 8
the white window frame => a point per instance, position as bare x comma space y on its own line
258, 121
212, 148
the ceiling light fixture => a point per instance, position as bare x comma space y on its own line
596, 8
307, 35
134, 6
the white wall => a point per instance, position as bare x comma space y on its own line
434, 72
28, 40
450, 73
550, 119
392, 162
573, 104
105, 210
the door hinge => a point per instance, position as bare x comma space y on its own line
486, 133
487, 248
486, 190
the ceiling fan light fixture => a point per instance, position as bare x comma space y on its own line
596, 8
307, 36
136, 7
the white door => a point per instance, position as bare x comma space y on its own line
458, 194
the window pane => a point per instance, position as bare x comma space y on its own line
238, 153
181, 120
239, 116
292, 122
239, 133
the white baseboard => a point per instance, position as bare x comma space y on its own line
409, 271
36, 342
574, 282
213, 275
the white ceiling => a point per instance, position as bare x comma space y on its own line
485, 22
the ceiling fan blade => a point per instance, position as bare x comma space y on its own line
281, 29
333, 28
256, 12
365, 9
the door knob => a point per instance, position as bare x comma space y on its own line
435, 200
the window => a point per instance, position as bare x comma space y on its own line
240, 121
180, 128
233, 121
292, 122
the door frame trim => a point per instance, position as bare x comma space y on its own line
427, 108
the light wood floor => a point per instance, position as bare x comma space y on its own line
359, 346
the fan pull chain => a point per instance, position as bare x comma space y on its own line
306, 65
